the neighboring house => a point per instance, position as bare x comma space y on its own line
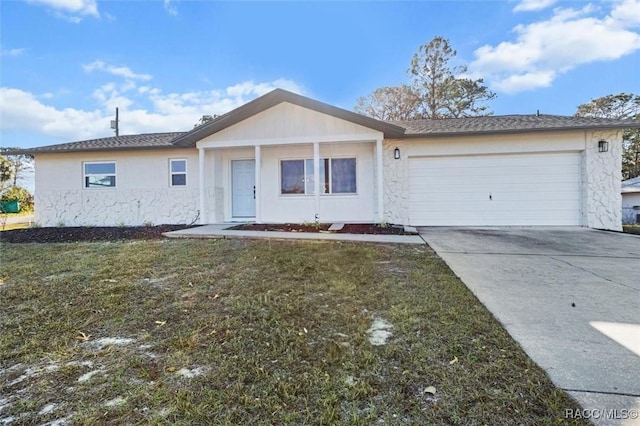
287, 158
631, 201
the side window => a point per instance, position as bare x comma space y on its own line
100, 175
178, 172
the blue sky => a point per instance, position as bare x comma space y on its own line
66, 64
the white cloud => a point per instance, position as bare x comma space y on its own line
546, 49
71, 10
115, 70
525, 81
170, 7
21, 110
533, 5
626, 13
11, 52
24, 111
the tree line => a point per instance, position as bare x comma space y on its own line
440, 90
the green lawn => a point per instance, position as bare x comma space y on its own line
254, 332
631, 229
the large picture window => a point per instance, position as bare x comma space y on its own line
178, 172
100, 175
337, 176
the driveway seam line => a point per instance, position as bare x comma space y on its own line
593, 273
538, 254
602, 392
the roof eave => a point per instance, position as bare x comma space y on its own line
97, 149
515, 131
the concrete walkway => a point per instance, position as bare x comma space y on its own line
569, 296
221, 231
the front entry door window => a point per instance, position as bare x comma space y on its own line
243, 189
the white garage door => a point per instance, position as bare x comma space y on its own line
492, 190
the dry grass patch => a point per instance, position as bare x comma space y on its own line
254, 332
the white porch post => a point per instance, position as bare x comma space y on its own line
257, 192
203, 197
379, 180
316, 177
211, 216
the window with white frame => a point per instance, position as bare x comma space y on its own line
337, 176
100, 174
178, 172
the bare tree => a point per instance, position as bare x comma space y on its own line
205, 119
391, 103
6, 172
18, 164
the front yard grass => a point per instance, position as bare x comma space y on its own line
631, 229
254, 332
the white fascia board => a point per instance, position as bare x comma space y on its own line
360, 137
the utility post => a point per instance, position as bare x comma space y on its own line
115, 123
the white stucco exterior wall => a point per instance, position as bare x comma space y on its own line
287, 131
600, 176
357, 207
276, 207
142, 195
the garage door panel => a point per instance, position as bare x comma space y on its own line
496, 196
483, 185
514, 200
527, 189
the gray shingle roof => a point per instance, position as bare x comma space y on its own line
126, 142
395, 129
509, 124
631, 185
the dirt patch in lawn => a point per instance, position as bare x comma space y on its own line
84, 233
349, 228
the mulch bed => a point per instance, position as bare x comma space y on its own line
85, 233
117, 233
349, 228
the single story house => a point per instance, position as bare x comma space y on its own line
287, 158
631, 201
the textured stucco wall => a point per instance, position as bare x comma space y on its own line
602, 176
142, 194
116, 207
396, 183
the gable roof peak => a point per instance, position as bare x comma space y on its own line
278, 96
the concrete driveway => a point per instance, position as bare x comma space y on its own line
569, 296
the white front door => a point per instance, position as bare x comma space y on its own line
243, 189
